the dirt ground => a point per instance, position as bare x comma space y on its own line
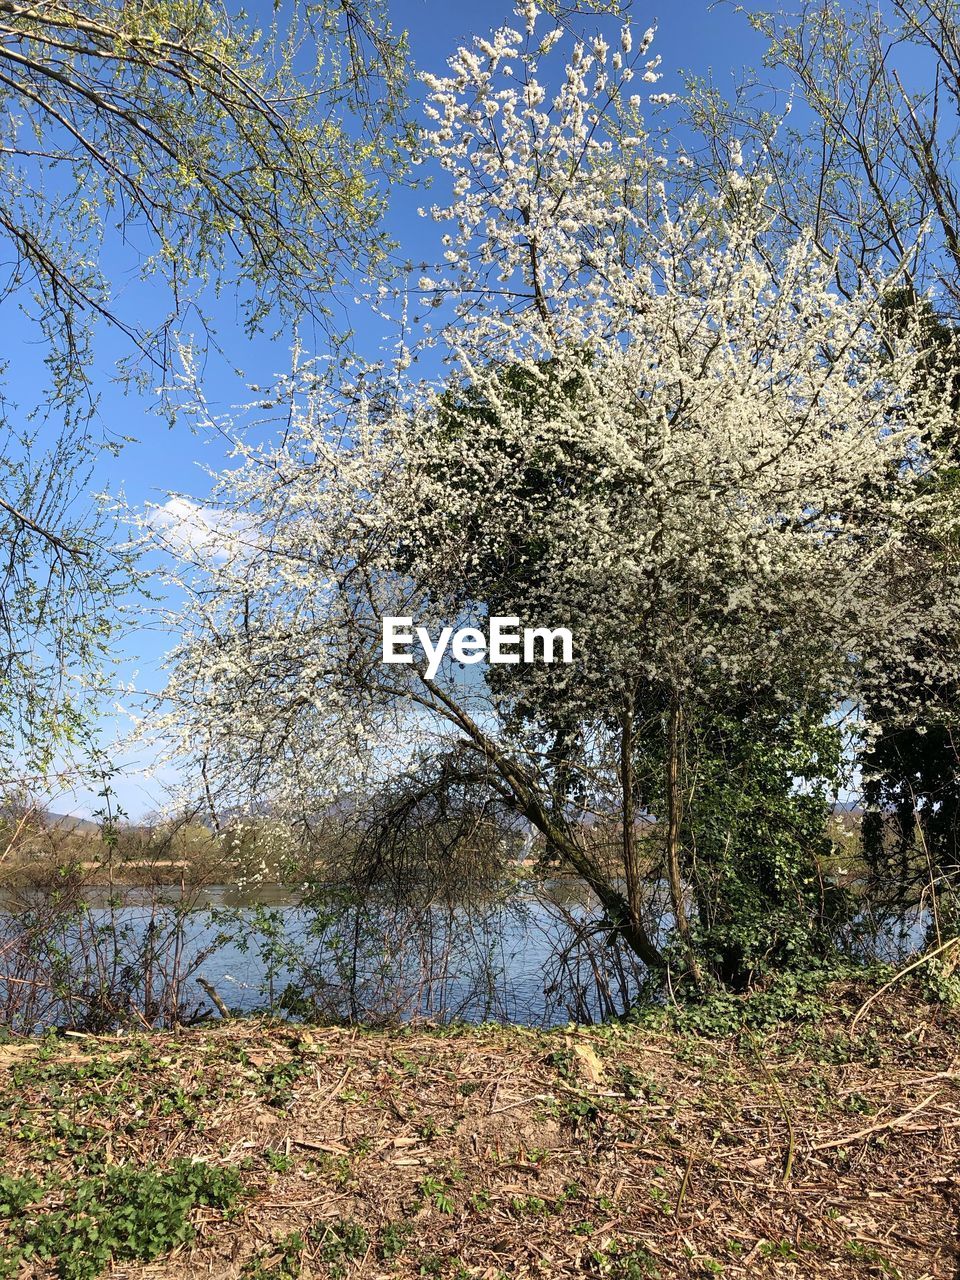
824, 1150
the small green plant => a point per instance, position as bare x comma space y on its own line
661, 1198
779, 1249
636, 1087
278, 1081
620, 1262
428, 1128
434, 1190
354, 1095
940, 982
336, 1168
581, 1112
393, 1240
529, 1207
122, 1214
341, 1240
16, 1194
874, 1258
278, 1161
267, 1266
562, 1061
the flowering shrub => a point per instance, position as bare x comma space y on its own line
703, 461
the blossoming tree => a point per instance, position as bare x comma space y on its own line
703, 462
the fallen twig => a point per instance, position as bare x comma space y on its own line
875, 1128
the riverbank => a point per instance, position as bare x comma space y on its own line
256, 1149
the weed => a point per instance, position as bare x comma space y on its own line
267, 1265
16, 1194
874, 1258
661, 1198
278, 1082
278, 1161
582, 1112
436, 1191
336, 1168
620, 1262
562, 1062
121, 1214
637, 1087
339, 1241
354, 1095
529, 1206
779, 1249
393, 1240
428, 1128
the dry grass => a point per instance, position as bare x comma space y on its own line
624, 1152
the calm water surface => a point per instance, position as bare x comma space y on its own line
527, 959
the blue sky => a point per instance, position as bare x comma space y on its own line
692, 35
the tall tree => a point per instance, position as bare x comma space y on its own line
214, 149
172, 139
657, 436
867, 160
853, 117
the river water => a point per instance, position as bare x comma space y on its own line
153, 955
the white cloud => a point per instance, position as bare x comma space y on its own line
185, 527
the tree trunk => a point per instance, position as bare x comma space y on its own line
630, 865
634, 932
520, 789
674, 816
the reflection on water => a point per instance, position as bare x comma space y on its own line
531, 957
512, 961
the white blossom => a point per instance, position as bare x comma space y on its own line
710, 471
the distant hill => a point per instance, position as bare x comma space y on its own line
67, 822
